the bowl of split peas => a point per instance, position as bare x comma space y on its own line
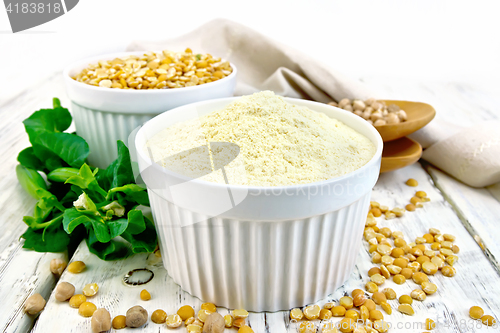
113, 94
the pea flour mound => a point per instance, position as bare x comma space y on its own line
280, 143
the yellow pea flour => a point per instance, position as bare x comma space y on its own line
280, 143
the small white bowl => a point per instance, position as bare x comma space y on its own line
258, 248
104, 115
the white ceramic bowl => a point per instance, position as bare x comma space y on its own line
103, 115
266, 248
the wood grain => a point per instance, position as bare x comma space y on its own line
462, 105
478, 211
477, 282
22, 272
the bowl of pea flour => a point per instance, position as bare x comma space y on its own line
259, 201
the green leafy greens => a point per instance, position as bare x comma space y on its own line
79, 202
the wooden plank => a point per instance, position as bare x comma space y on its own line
478, 210
495, 191
475, 283
22, 272
117, 297
476, 280
463, 105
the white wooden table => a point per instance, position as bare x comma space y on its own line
473, 215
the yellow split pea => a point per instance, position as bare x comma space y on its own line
160, 70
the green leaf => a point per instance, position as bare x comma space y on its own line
52, 239
117, 227
30, 180
128, 189
84, 177
86, 180
69, 196
28, 158
62, 174
119, 172
134, 194
40, 213
73, 218
50, 159
143, 242
56, 103
47, 200
50, 146
71, 214
101, 230
47, 120
62, 157
77, 190
112, 250
71, 224
91, 206
113, 208
136, 223
37, 222
71, 149
31, 222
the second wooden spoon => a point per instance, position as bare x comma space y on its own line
400, 153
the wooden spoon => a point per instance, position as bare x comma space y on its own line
400, 153
419, 115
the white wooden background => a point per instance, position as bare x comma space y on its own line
470, 214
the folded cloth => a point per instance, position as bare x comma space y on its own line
437, 130
472, 155
265, 64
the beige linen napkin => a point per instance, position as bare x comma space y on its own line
265, 64
472, 155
